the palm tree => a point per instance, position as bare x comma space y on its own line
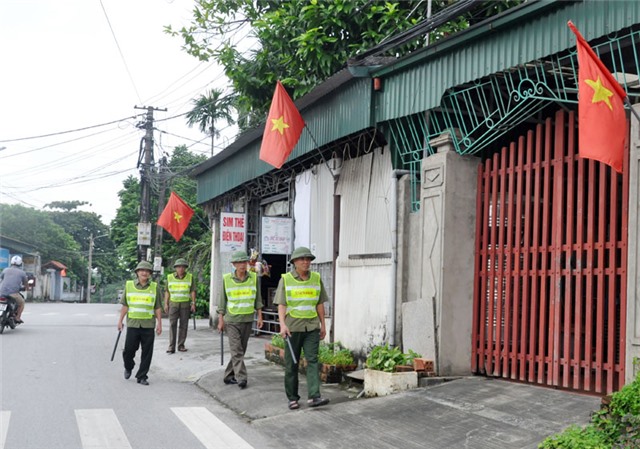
207, 110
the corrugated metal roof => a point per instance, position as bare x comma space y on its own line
342, 105
416, 83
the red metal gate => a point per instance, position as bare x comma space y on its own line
551, 259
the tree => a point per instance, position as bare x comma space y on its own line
124, 232
302, 43
207, 110
49, 238
81, 226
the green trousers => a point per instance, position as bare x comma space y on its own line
310, 341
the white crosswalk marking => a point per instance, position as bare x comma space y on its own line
4, 427
211, 432
100, 429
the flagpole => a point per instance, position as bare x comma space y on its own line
633, 111
318, 148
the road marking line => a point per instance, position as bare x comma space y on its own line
212, 433
4, 427
100, 429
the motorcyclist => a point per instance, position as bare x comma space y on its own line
12, 280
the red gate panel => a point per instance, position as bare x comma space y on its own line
551, 239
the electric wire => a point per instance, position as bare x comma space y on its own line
71, 130
120, 51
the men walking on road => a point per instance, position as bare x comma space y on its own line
300, 297
179, 302
240, 298
142, 305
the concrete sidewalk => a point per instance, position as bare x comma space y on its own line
471, 412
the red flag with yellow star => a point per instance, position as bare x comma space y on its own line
282, 130
602, 122
176, 216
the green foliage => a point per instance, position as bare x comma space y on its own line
334, 354
302, 43
277, 341
615, 426
124, 226
575, 437
38, 229
207, 110
384, 358
202, 308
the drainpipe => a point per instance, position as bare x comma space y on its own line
391, 306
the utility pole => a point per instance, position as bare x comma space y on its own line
90, 274
145, 164
157, 248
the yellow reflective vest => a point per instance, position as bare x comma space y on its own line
302, 296
141, 302
241, 296
179, 289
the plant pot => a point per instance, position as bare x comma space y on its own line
381, 383
403, 368
332, 374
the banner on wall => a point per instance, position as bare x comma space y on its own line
277, 235
233, 232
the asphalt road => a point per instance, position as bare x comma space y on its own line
59, 389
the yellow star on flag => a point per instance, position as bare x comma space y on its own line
600, 93
279, 125
177, 217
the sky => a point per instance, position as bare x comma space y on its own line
63, 70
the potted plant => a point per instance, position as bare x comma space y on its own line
381, 376
274, 350
334, 360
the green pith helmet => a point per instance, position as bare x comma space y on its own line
144, 265
239, 256
301, 252
180, 262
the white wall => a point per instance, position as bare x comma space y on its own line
361, 298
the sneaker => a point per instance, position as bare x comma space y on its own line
230, 380
242, 384
317, 402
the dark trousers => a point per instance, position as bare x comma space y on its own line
310, 341
178, 311
238, 334
138, 337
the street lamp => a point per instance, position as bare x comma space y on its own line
90, 271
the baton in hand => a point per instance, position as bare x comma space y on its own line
116, 345
295, 362
194, 321
221, 347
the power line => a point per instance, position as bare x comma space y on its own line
120, 51
71, 130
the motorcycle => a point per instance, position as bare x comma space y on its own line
8, 309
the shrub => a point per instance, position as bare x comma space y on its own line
277, 341
616, 425
334, 354
384, 358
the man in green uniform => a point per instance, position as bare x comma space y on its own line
179, 302
300, 297
142, 305
240, 298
